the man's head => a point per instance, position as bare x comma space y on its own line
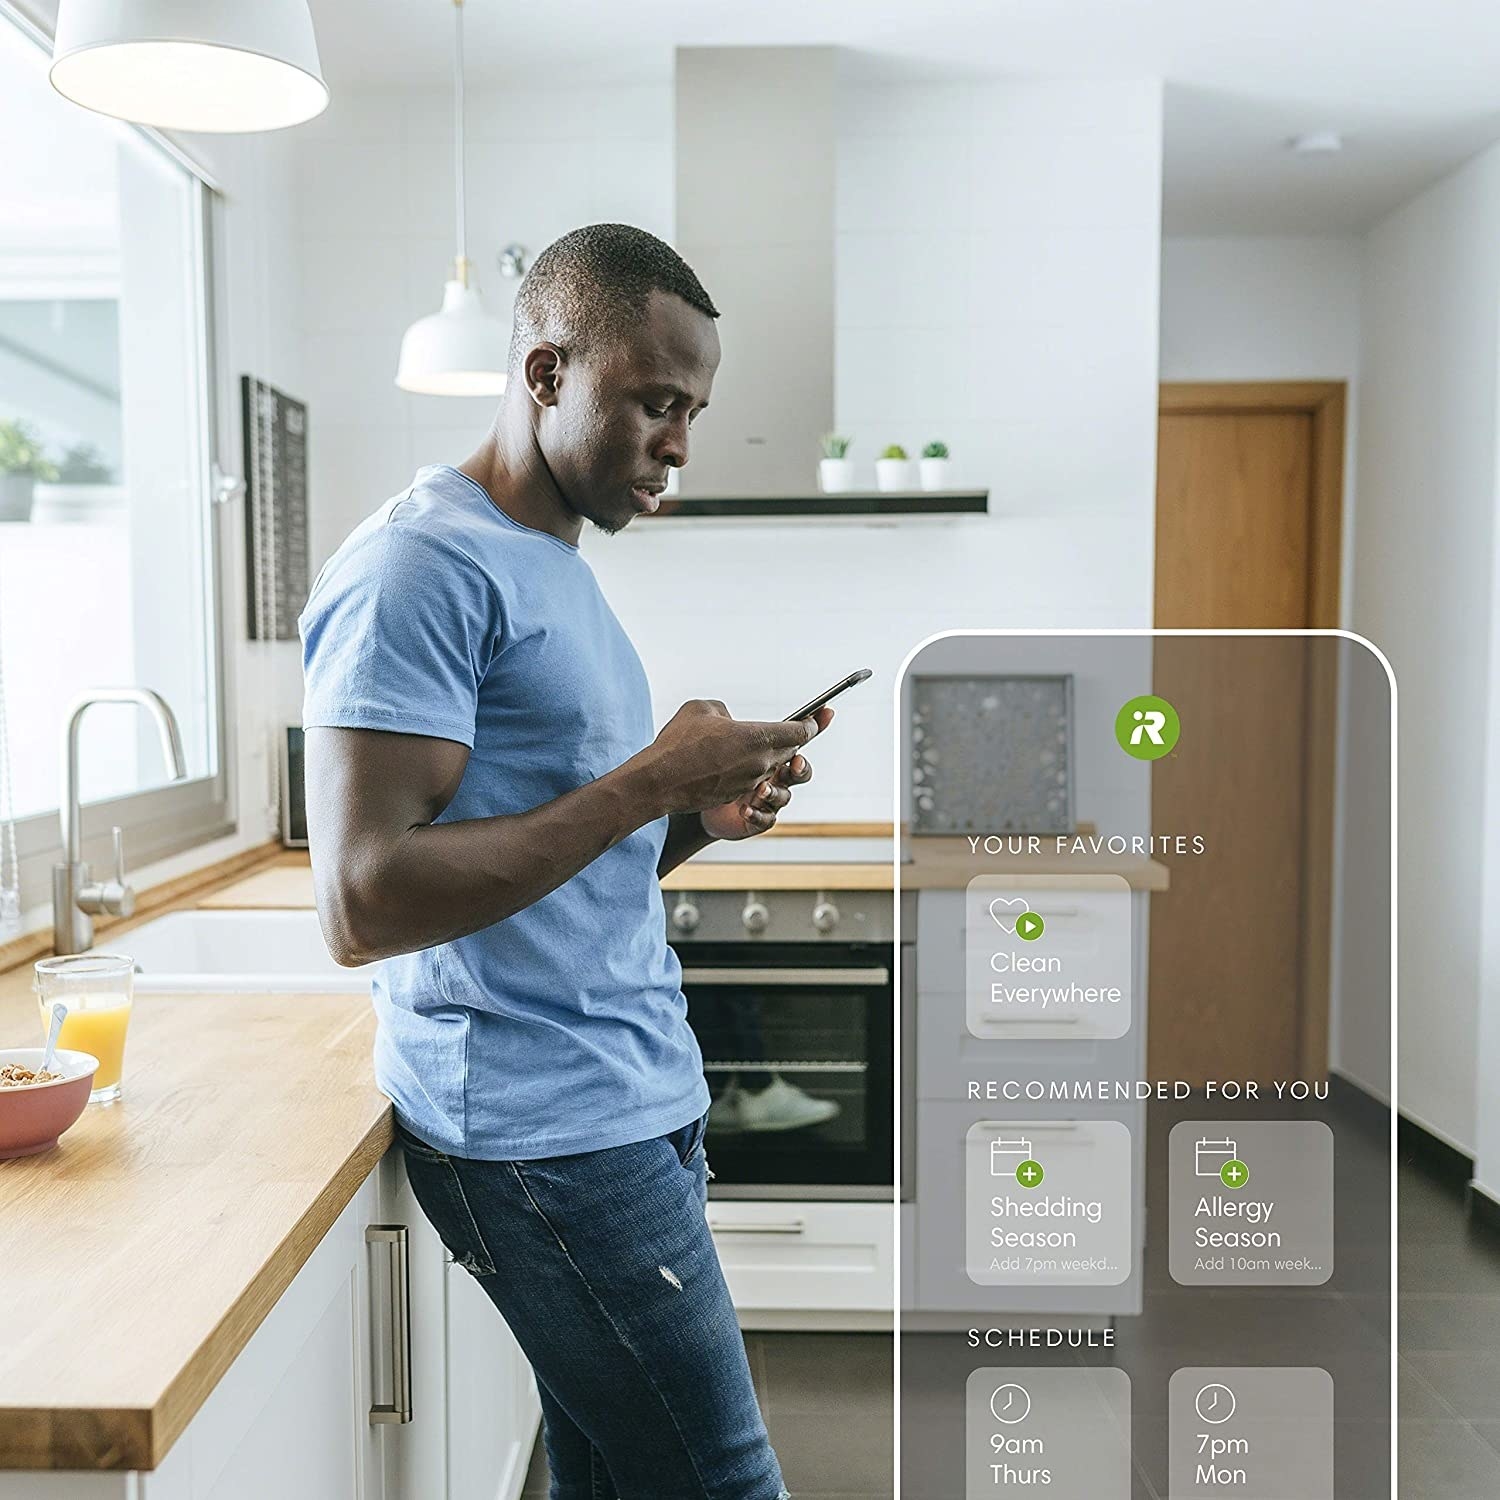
615, 349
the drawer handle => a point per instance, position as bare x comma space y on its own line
789, 1226
398, 1409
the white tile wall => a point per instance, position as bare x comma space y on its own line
997, 271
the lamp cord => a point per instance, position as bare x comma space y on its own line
458, 137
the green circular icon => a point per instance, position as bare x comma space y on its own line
1147, 727
1030, 1174
1234, 1174
1029, 927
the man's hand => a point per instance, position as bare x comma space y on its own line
757, 812
703, 759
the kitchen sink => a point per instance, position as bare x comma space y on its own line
236, 951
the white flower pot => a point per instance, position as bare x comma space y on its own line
935, 473
895, 474
16, 492
836, 475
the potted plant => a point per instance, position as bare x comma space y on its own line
836, 468
22, 463
936, 466
894, 470
83, 488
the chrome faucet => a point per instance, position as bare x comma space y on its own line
76, 899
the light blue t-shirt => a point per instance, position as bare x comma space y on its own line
563, 1028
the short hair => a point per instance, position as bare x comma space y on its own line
596, 281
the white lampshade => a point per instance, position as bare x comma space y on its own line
460, 351
213, 65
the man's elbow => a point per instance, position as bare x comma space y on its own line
355, 931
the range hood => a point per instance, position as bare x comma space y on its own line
757, 156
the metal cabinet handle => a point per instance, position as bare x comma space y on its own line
791, 1226
398, 1409
821, 978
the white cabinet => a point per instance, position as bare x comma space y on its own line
290, 1418
807, 1265
474, 1404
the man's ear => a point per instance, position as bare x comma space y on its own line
543, 372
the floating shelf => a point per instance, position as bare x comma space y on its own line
858, 505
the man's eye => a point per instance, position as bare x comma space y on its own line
655, 411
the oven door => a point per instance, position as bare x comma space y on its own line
797, 1049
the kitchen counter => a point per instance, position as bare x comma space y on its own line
141, 1254
935, 864
163, 1229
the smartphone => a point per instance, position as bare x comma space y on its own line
852, 680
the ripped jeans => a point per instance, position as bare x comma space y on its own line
603, 1266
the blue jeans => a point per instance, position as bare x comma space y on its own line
603, 1266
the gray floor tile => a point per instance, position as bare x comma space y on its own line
1445, 1461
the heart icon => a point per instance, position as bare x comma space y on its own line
1017, 907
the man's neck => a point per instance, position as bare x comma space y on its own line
508, 465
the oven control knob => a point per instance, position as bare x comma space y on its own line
825, 915
756, 915
686, 916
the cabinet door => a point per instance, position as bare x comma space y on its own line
290, 1417
474, 1404
492, 1402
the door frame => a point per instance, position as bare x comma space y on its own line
1324, 401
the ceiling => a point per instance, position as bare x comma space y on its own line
1414, 87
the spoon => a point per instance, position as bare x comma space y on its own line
59, 1015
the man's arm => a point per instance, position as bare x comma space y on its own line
389, 880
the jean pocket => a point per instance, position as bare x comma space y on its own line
411, 1146
696, 1134
440, 1191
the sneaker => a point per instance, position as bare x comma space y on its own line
782, 1106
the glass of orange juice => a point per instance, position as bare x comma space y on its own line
97, 988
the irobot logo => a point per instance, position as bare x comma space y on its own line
1147, 727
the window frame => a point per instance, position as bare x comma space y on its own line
169, 819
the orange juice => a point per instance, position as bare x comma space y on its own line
94, 1024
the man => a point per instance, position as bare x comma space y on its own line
489, 812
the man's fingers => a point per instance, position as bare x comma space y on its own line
796, 772
758, 820
770, 797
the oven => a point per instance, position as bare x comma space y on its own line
791, 997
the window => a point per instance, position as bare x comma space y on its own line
106, 523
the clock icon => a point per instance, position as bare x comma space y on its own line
1214, 1404
1011, 1404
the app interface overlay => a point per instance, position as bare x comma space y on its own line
1146, 1165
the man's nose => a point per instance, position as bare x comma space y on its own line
672, 448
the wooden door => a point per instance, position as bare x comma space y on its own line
1248, 494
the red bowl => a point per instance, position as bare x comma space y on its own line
35, 1114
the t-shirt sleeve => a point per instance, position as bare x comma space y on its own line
397, 635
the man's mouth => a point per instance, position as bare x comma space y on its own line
647, 497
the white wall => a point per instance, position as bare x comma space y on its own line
1260, 307
996, 287
1423, 589
997, 279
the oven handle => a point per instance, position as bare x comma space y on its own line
784, 978
790, 1226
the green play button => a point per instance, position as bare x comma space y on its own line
1029, 926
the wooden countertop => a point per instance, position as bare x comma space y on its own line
163, 1229
937, 864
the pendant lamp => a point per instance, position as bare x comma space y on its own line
460, 350
212, 65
